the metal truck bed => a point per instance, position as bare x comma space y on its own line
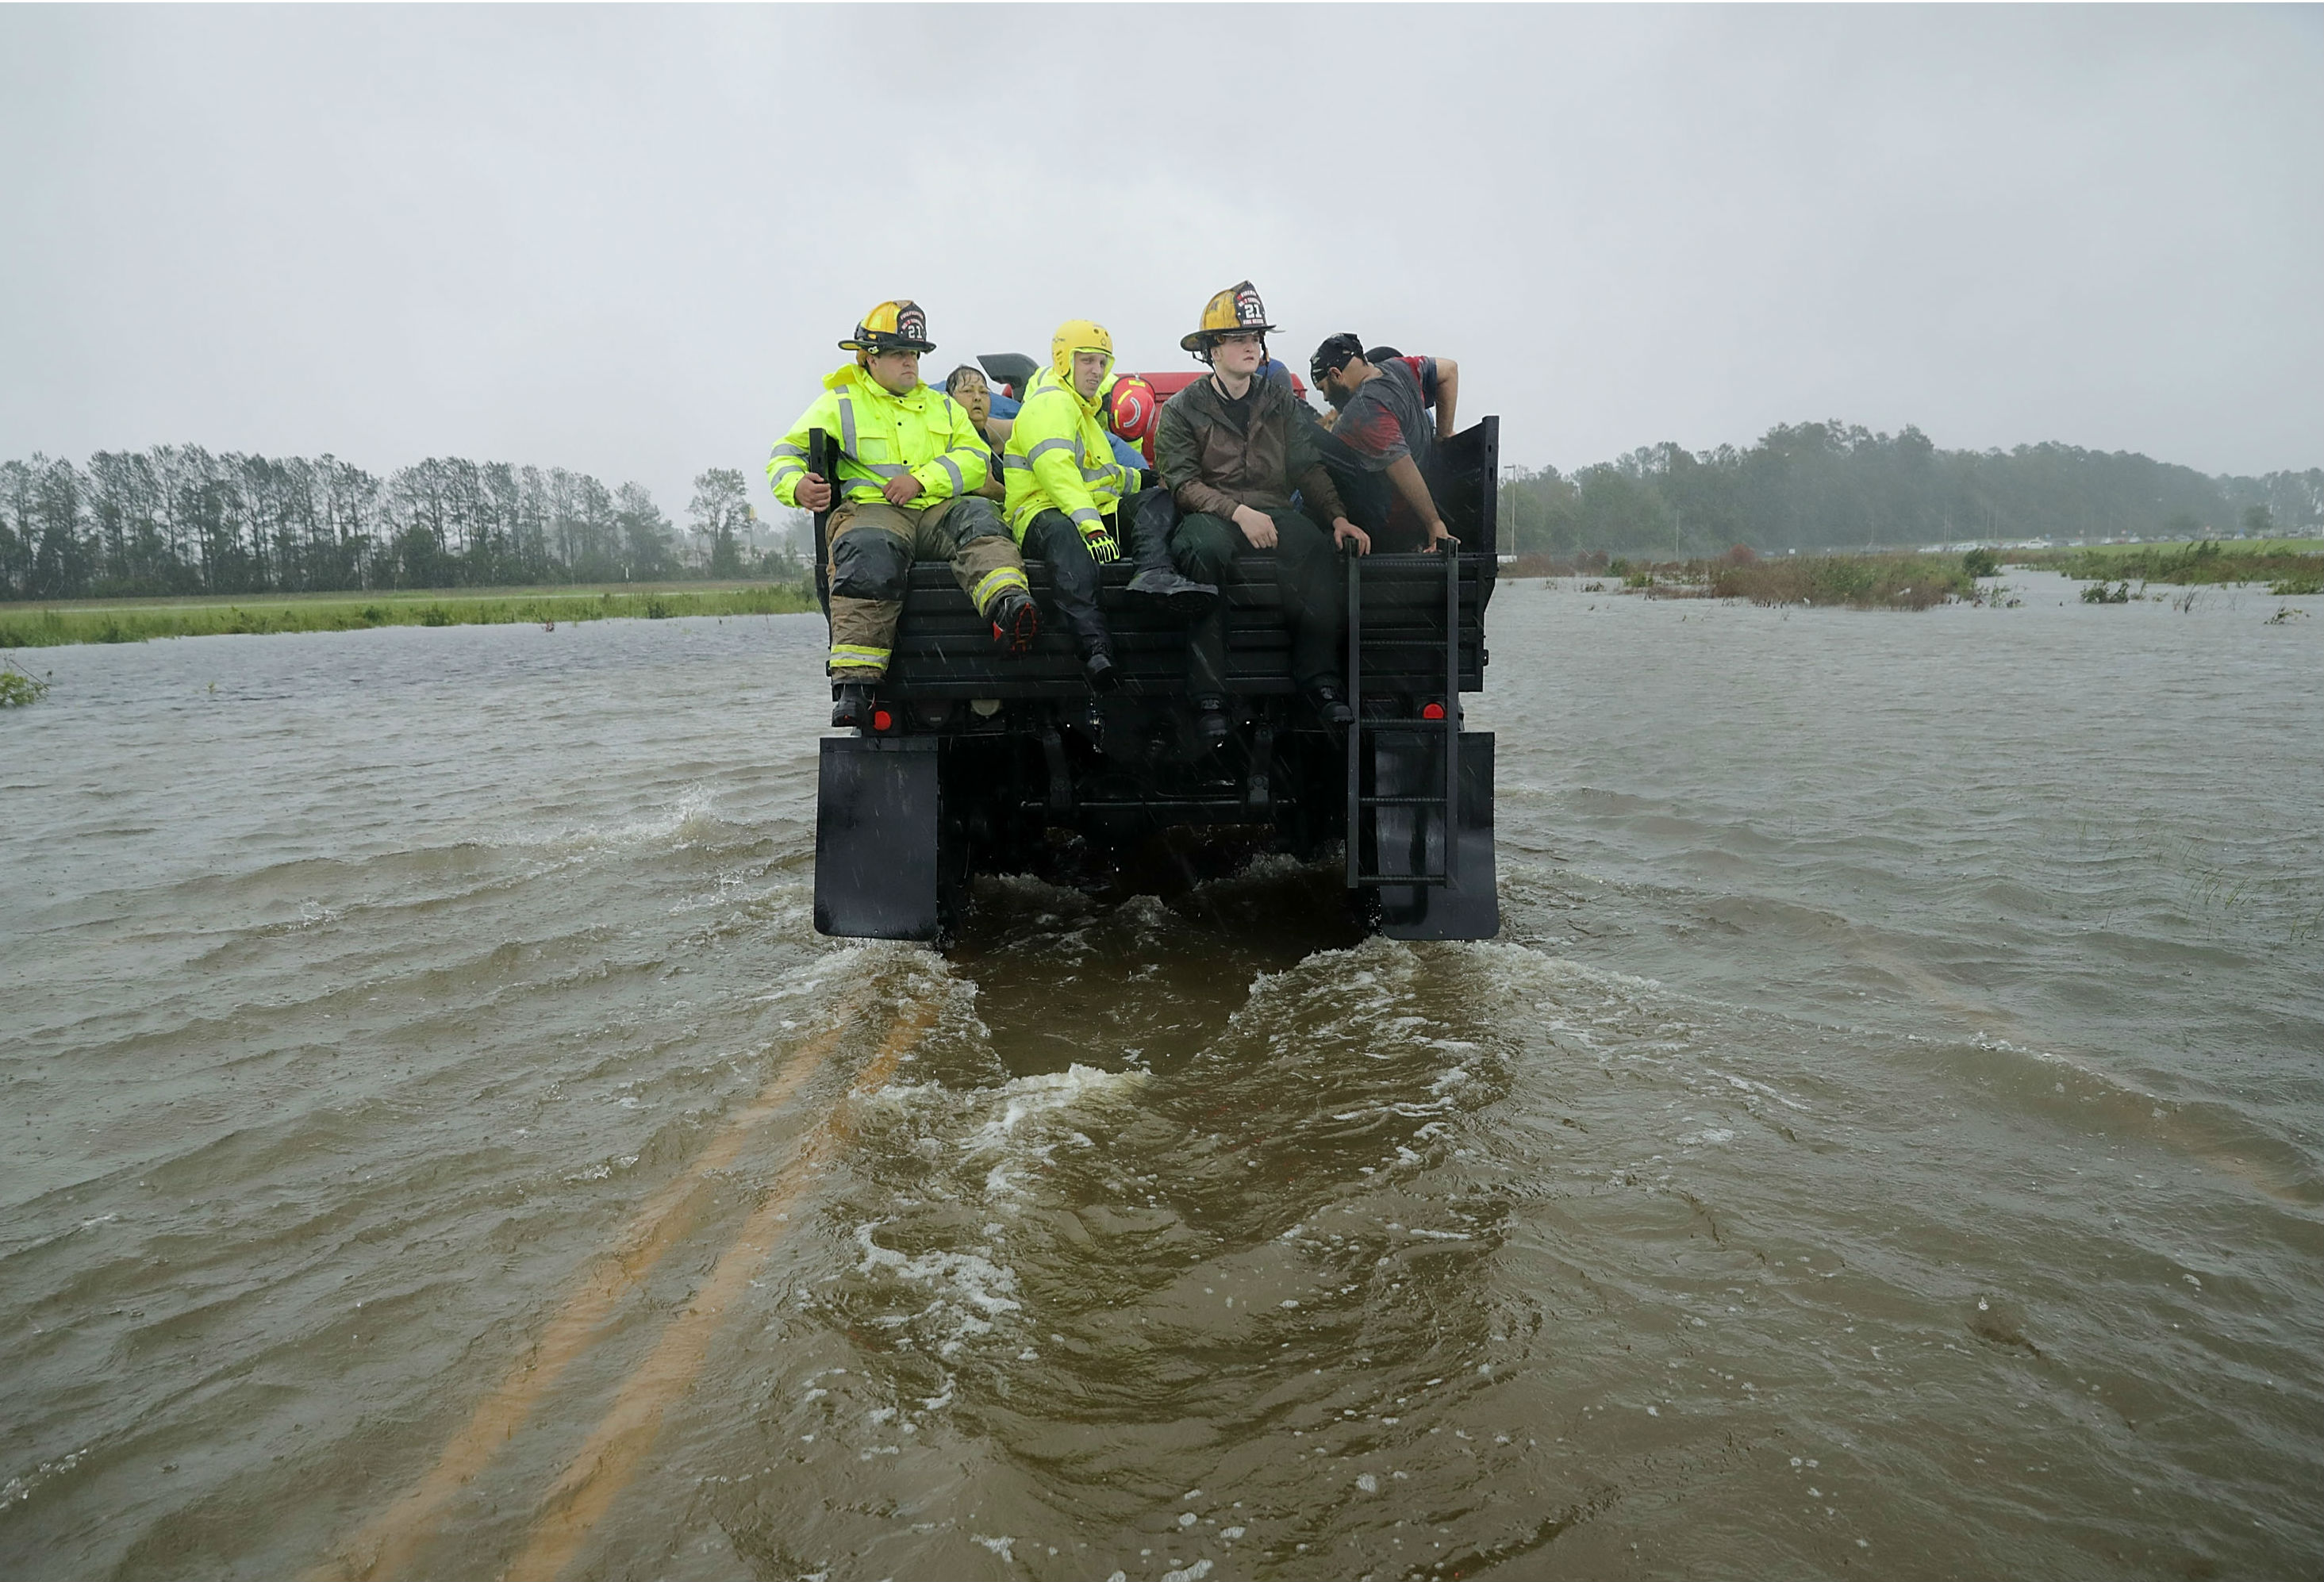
976, 760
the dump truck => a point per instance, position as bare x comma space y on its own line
972, 762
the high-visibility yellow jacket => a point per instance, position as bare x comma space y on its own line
1059, 455
923, 432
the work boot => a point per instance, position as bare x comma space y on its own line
1212, 726
1101, 672
1330, 706
851, 705
1181, 596
1016, 622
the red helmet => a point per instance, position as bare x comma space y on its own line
1131, 408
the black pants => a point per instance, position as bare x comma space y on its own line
1051, 537
1212, 549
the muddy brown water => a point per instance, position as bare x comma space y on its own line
1884, 1140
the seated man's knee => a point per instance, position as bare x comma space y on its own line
870, 564
974, 517
1204, 547
1155, 514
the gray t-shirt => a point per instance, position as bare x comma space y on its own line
1388, 416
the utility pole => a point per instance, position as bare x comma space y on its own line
1516, 531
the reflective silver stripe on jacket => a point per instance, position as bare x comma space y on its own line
952, 471
1018, 463
1085, 516
1055, 443
846, 422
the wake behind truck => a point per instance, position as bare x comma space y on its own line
974, 763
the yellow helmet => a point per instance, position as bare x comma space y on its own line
900, 325
1078, 335
1238, 307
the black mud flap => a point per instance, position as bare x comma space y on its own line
1412, 839
879, 863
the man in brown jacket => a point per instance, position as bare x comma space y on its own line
1230, 448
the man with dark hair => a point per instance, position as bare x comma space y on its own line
1230, 448
1387, 446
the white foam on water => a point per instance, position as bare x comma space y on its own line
971, 1291
1020, 1111
1265, 867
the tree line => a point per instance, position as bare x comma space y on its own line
1837, 485
180, 520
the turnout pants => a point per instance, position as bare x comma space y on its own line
1051, 535
1212, 549
872, 547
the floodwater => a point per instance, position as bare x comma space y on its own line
1884, 1141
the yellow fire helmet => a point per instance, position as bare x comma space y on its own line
1236, 308
901, 326
1078, 335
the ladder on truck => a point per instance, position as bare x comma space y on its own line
1443, 720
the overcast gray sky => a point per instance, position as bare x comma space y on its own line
624, 241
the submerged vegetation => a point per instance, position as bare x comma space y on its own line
1856, 581
1862, 582
19, 686
1903, 581
2285, 563
24, 626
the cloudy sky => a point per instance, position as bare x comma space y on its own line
624, 241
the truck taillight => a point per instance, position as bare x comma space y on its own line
882, 720
1432, 711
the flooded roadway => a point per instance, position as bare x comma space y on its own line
1885, 1139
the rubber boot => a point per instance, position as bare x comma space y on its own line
1016, 622
1156, 582
851, 705
1101, 672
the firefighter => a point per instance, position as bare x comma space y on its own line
1230, 448
909, 462
1066, 485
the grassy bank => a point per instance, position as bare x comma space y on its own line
2288, 565
130, 621
1856, 581
1860, 582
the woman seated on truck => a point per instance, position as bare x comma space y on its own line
966, 385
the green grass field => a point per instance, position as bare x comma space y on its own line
2287, 566
130, 621
2175, 547
1856, 581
